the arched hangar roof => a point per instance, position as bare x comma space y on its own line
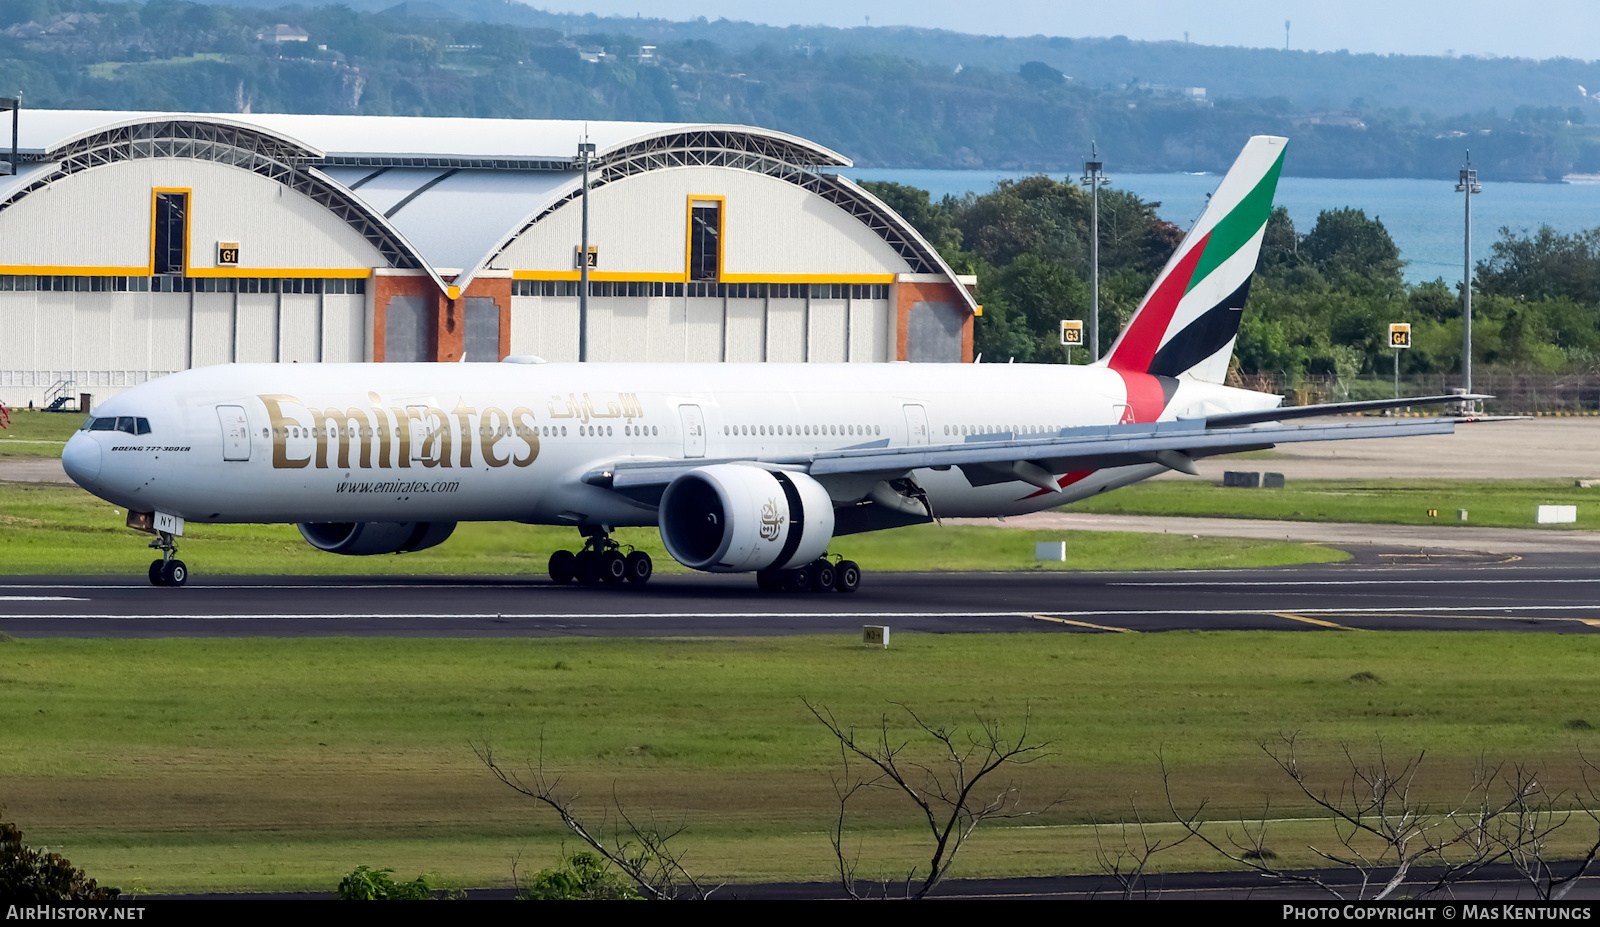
441, 194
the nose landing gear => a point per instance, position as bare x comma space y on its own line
169, 570
601, 561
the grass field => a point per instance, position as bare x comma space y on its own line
191, 764
37, 434
1489, 503
50, 528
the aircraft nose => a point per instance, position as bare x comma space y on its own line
81, 458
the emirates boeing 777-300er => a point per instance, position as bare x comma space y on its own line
742, 467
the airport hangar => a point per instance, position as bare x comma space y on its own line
134, 245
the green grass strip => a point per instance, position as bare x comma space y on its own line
268, 763
1489, 503
55, 529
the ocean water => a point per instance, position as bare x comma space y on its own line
1424, 217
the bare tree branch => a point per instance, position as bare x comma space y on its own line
947, 793
642, 851
1128, 863
1381, 830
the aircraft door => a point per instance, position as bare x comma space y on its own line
235, 433
917, 432
694, 431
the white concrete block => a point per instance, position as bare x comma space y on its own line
1050, 550
1557, 514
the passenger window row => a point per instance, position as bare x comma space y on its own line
814, 430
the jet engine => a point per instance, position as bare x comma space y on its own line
360, 539
732, 518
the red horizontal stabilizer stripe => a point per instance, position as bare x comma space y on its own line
1063, 481
1149, 326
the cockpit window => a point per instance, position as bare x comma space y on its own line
125, 423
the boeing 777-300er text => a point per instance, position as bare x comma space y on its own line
743, 467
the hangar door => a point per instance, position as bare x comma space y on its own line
405, 332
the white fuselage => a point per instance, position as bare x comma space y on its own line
512, 442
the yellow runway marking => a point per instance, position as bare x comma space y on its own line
1457, 616
1316, 621
1085, 624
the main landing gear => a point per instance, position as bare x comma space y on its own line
169, 570
819, 575
600, 561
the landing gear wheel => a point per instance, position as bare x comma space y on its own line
586, 567
846, 576
770, 580
155, 573
613, 567
174, 573
639, 568
822, 576
797, 579
563, 567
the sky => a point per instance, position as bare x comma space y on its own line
1531, 29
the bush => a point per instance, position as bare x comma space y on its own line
30, 876
375, 885
584, 877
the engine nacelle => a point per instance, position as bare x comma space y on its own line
364, 538
732, 518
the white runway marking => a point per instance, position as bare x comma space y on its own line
569, 615
41, 598
1357, 582
1509, 610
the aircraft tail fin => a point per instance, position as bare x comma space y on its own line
1187, 323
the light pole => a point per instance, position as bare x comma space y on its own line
1467, 186
1094, 179
585, 154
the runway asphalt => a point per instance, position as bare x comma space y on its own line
1381, 589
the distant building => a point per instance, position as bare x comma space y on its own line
1340, 120
139, 244
283, 33
1197, 94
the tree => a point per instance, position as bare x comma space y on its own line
1350, 249
366, 884
1037, 72
1280, 246
950, 792
582, 877
29, 876
1543, 265
640, 850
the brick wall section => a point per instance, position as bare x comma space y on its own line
450, 328
385, 287
908, 294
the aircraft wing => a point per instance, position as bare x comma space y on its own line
1035, 459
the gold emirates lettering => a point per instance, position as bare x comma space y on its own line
385, 437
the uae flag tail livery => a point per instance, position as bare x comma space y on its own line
1188, 321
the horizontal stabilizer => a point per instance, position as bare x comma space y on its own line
1284, 413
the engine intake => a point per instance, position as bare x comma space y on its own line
364, 538
732, 518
